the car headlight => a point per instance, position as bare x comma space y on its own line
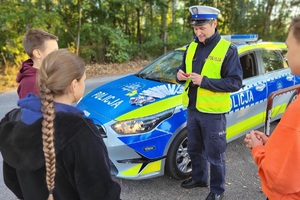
141, 125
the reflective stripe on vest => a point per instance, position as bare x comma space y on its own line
209, 101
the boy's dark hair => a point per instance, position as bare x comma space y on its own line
34, 39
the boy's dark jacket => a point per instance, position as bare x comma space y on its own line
82, 164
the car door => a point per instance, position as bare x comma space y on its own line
278, 76
276, 71
248, 104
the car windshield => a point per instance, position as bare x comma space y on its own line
164, 68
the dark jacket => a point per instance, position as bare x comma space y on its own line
82, 164
231, 70
26, 78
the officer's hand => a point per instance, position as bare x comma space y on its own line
196, 78
182, 76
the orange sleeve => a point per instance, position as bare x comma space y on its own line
279, 160
258, 154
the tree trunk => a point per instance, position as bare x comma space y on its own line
79, 27
139, 34
268, 13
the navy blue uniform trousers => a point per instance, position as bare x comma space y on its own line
206, 146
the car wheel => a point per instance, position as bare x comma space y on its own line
178, 162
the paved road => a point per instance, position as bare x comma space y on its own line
242, 181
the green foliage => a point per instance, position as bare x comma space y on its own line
116, 44
152, 47
92, 43
122, 30
14, 19
108, 44
8, 77
178, 36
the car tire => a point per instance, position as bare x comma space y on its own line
178, 162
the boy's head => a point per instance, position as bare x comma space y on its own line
293, 45
38, 43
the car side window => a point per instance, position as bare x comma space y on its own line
272, 60
248, 64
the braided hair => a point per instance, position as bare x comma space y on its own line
58, 70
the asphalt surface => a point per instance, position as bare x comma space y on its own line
242, 181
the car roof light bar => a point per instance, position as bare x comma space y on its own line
241, 38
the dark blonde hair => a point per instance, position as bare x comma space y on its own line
56, 74
35, 39
295, 28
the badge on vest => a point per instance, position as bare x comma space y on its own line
217, 59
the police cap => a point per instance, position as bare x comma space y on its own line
203, 14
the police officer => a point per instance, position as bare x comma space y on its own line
211, 69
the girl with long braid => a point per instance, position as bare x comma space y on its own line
50, 150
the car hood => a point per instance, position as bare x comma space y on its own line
129, 97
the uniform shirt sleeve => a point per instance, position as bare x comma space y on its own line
231, 73
182, 67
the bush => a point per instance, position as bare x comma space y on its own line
8, 78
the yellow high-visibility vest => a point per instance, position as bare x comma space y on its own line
208, 101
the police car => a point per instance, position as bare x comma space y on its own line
143, 122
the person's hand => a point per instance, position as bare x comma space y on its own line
196, 78
255, 138
247, 140
261, 136
182, 76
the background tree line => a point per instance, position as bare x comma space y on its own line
122, 30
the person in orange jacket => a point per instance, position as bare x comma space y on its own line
278, 157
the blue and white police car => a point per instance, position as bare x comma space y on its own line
143, 122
